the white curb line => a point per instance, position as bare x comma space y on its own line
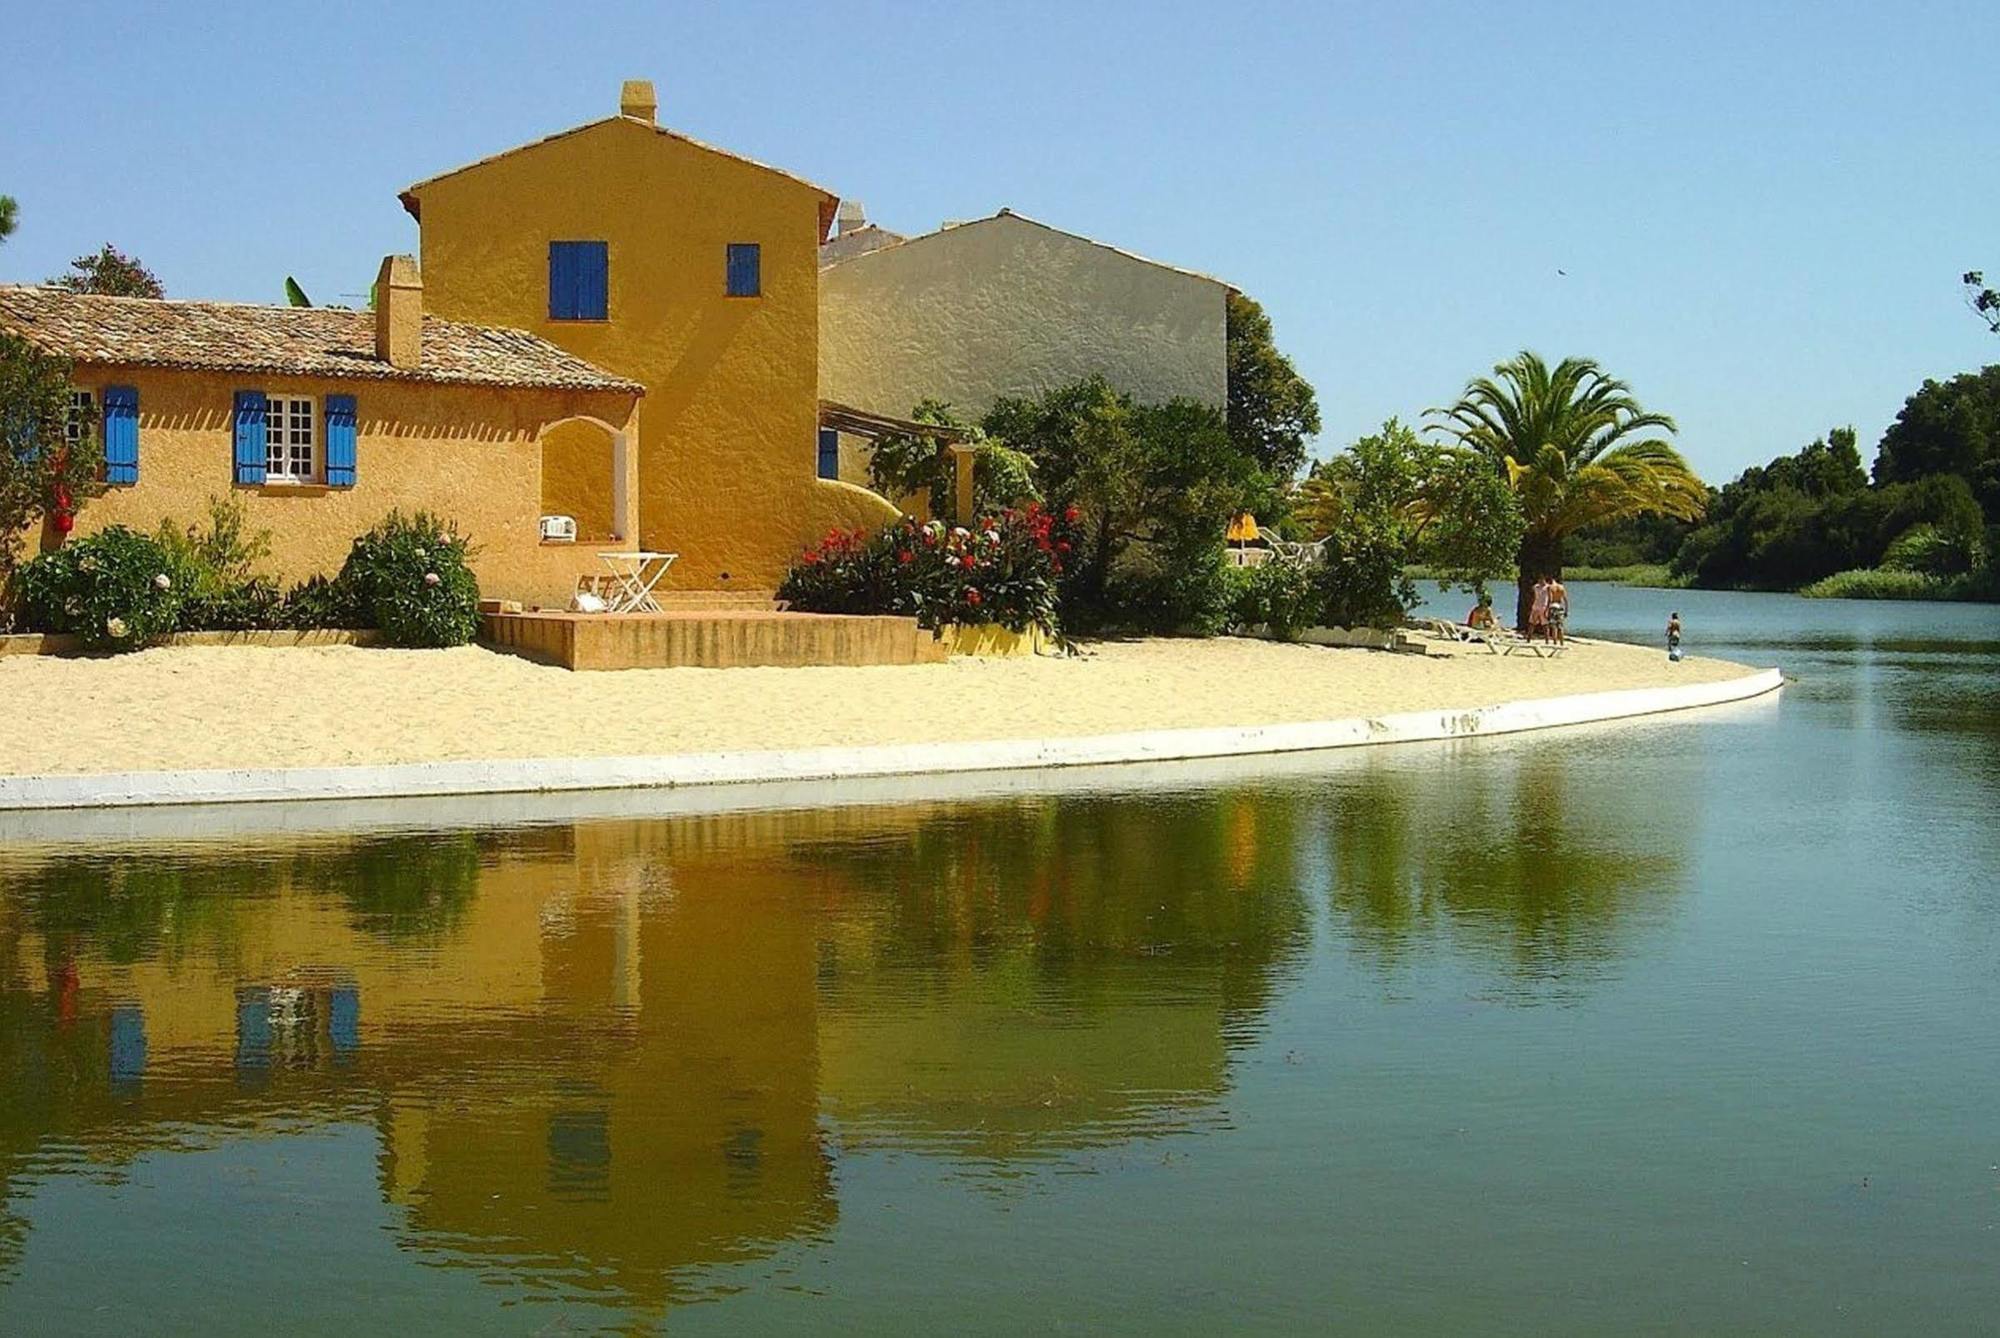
262, 784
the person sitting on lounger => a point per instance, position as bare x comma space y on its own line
1482, 617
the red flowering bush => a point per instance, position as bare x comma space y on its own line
1002, 570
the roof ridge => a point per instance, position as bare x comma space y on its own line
1008, 212
193, 333
408, 194
284, 308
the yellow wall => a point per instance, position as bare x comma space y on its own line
469, 454
576, 478
726, 469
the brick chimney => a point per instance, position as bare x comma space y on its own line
399, 312
636, 100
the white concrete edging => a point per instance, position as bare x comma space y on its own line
261, 784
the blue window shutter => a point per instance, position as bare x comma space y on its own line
593, 285
128, 1044
253, 1029
121, 434
746, 266
250, 442
340, 441
829, 453
562, 282
343, 1019
579, 281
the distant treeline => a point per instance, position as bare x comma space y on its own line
1931, 510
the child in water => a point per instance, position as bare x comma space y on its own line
1674, 635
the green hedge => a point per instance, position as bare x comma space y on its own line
409, 576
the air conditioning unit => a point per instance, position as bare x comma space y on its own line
559, 529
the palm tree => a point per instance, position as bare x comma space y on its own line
1317, 505
1576, 448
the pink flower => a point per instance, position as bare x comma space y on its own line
430, 578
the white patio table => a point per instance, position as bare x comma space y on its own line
637, 573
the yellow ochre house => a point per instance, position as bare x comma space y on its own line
322, 420
690, 270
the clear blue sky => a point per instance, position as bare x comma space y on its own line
1763, 210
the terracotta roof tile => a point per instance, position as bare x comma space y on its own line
295, 341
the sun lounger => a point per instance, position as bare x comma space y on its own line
1499, 640
1297, 554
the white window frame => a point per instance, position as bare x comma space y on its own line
84, 411
293, 451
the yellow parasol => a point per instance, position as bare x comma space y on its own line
1243, 529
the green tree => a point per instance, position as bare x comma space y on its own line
42, 471
109, 273
1574, 445
1948, 427
1435, 505
9, 213
1806, 516
904, 464
1272, 409
1152, 487
1985, 303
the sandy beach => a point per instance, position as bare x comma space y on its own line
237, 706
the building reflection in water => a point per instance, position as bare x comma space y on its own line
602, 1058
607, 1058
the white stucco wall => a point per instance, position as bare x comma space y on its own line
1006, 306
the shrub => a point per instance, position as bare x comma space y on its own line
114, 591
1360, 580
317, 603
1281, 597
410, 577
846, 572
1177, 590
1877, 583
1935, 550
215, 571
43, 474
1002, 571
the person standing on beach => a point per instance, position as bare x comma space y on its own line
1674, 635
1558, 610
1538, 611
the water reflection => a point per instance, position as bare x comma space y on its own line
1052, 974
610, 1058
601, 1058
1531, 860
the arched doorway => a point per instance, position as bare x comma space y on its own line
584, 477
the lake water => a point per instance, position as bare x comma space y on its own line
1687, 1027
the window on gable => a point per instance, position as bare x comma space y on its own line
745, 269
579, 281
82, 420
290, 450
